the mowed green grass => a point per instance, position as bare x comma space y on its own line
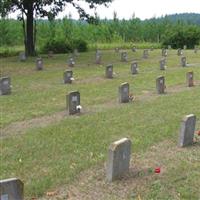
46, 158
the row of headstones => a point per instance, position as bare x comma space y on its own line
118, 162
73, 98
124, 95
124, 56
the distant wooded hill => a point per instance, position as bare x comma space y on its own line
190, 18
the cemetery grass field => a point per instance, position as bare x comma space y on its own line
52, 151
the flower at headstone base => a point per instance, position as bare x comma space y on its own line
79, 107
131, 97
157, 170
72, 79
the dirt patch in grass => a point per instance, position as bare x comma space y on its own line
21, 127
91, 184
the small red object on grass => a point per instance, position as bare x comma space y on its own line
198, 132
157, 170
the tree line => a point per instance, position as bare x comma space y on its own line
162, 30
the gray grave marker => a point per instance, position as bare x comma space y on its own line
68, 76
160, 84
5, 85
195, 49
164, 52
50, 54
183, 61
179, 52
162, 64
190, 79
109, 71
134, 49
134, 68
119, 155
169, 47
185, 47
187, 130
11, 189
116, 50
39, 64
145, 53
73, 102
124, 93
71, 62
22, 56
124, 56
98, 57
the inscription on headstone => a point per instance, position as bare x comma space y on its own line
11, 189
160, 84
187, 130
39, 64
68, 76
124, 56
109, 71
119, 155
124, 93
190, 79
134, 68
5, 85
73, 102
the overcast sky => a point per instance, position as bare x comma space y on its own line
142, 8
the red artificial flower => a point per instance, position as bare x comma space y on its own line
157, 170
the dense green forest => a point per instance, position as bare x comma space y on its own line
177, 30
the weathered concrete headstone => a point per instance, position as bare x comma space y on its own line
73, 102
68, 76
145, 53
124, 56
183, 61
134, 68
5, 85
116, 50
118, 162
134, 49
169, 47
187, 130
22, 56
185, 47
71, 62
109, 71
11, 189
196, 49
98, 57
160, 84
124, 93
39, 64
164, 52
190, 79
162, 64
75, 53
50, 54
179, 52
